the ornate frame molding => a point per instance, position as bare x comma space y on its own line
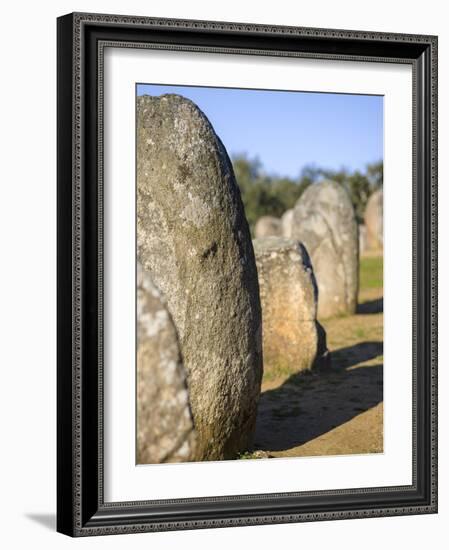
81, 42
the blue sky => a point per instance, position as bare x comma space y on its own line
288, 130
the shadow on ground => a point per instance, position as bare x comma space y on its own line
371, 306
308, 405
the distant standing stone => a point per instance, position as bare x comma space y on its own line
268, 226
193, 237
374, 220
287, 223
292, 339
362, 238
324, 221
165, 430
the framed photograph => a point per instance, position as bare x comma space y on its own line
247, 278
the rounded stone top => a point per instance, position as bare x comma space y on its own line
178, 125
169, 102
272, 246
266, 245
374, 205
286, 273
175, 114
376, 195
326, 191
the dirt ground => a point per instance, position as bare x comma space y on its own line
338, 410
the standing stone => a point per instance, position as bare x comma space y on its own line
292, 340
287, 223
362, 239
374, 220
193, 237
165, 430
324, 221
268, 226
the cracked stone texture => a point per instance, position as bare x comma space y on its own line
292, 338
374, 221
324, 221
268, 226
193, 237
165, 430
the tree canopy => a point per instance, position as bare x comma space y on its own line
267, 194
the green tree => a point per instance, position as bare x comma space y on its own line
358, 187
268, 195
375, 174
272, 195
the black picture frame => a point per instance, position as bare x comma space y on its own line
81, 509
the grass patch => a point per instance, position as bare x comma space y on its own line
251, 455
285, 372
279, 370
371, 272
246, 455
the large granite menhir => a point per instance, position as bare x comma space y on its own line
165, 430
324, 221
193, 238
293, 340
